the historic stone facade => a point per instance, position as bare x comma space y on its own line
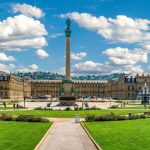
41, 88
124, 88
12, 87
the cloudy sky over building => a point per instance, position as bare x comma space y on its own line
108, 36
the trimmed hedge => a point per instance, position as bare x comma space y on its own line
6, 117
23, 118
114, 107
113, 117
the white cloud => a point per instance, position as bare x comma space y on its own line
28, 10
42, 53
21, 32
30, 68
4, 57
78, 56
90, 67
120, 29
56, 35
7, 68
124, 56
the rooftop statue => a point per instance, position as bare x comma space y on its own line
68, 23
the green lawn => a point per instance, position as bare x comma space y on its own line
21, 135
3, 108
135, 106
121, 135
68, 114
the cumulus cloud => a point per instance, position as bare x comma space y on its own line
91, 67
30, 68
124, 56
78, 56
4, 57
120, 29
7, 68
28, 10
21, 32
42, 53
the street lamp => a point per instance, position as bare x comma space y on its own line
110, 102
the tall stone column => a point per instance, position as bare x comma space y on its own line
68, 35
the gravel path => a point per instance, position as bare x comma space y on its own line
66, 135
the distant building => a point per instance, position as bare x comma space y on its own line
12, 87
52, 87
126, 87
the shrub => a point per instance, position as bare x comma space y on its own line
80, 108
44, 120
28, 118
90, 117
76, 108
67, 108
142, 116
38, 108
20, 106
111, 117
114, 106
6, 117
133, 117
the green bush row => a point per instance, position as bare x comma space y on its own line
113, 117
23, 118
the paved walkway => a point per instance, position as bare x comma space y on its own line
66, 135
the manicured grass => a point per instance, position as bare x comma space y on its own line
21, 135
68, 114
3, 108
134, 106
121, 135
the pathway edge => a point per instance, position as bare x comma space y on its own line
41, 141
94, 142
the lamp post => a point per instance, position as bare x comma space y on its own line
110, 102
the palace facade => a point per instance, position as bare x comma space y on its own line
52, 87
123, 88
12, 87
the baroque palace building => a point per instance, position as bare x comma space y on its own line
52, 87
12, 87
124, 88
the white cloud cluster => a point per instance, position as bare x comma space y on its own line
21, 32
90, 67
120, 29
30, 68
124, 56
28, 10
42, 53
7, 68
78, 56
4, 57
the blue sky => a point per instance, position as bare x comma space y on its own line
107, 35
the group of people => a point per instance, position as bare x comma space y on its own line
16, 106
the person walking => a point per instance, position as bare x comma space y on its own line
14, 106
4, 103
17, 106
